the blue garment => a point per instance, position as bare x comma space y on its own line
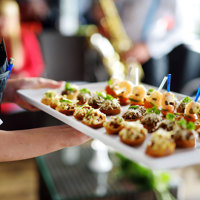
149, 19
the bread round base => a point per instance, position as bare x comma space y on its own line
185, 143
46, 101
135, 142
94, 125
66, 112
112, 131
155, 153
111, 111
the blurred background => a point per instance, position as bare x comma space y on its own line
89, 41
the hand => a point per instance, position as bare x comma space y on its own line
139, 52
10, 94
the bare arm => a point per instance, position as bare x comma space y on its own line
23, 144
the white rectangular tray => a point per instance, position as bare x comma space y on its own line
181, 157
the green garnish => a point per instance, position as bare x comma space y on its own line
110, 82
190, 126
109, 97
170, 116
134, 107
153, 110
49, 95
84, 90
187, 100
89, 113
182, 123
133, 100
150, 90
68, 87
199, 112
100, 94
65, 101
119, 118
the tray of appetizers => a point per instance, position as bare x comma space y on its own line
157, 129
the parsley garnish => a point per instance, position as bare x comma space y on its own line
190, 126
182, 123
170, 116
49, 95
110, 82
68, 87
100, 94
187, 100
153, 110
109, 97
150, 90
89, 113
84, 90
65, 101
134, 107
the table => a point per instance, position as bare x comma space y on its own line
62, 181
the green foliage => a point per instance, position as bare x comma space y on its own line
146, 178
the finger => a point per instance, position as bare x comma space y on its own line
47, 83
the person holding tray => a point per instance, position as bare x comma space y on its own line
24, 144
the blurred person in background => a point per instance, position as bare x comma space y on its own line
39, 14
154, 27
21, 44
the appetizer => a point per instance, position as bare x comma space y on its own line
133, 134
154, 99
138, 95
110, 106
161, 144
70, 91
81, 111
94, 118
167, 124
109, 88
56, 101
66, 106
168, 103
182, 104
191, 111
150, 121
47, 98
134, 113
184, 134
96, 99
83, 96
123, 90
114, 125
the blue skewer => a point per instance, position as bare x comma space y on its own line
197, 95
168, 82
10, 66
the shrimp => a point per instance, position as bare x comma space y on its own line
138, 93
154, 98
123, 88
192, 108
168, 100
